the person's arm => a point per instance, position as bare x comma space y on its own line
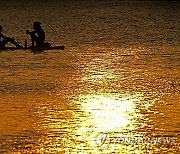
6, 38
28, 32
2, 36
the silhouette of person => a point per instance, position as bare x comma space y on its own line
38, 35
4, 40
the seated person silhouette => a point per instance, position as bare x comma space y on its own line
4, 40
38, 36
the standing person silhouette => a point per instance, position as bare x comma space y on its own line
38, 35
4, 40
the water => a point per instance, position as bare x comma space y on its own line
114, 89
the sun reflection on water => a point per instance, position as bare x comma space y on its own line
108, 113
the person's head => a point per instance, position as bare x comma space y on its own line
1, 28
36, 25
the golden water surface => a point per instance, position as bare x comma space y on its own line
90, 100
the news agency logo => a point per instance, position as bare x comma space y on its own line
102, 140
105, 139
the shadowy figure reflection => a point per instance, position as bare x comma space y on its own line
38, 36
4, 40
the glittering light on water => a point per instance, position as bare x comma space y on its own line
109, 112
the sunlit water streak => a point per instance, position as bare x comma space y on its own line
107, 113
118, 76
